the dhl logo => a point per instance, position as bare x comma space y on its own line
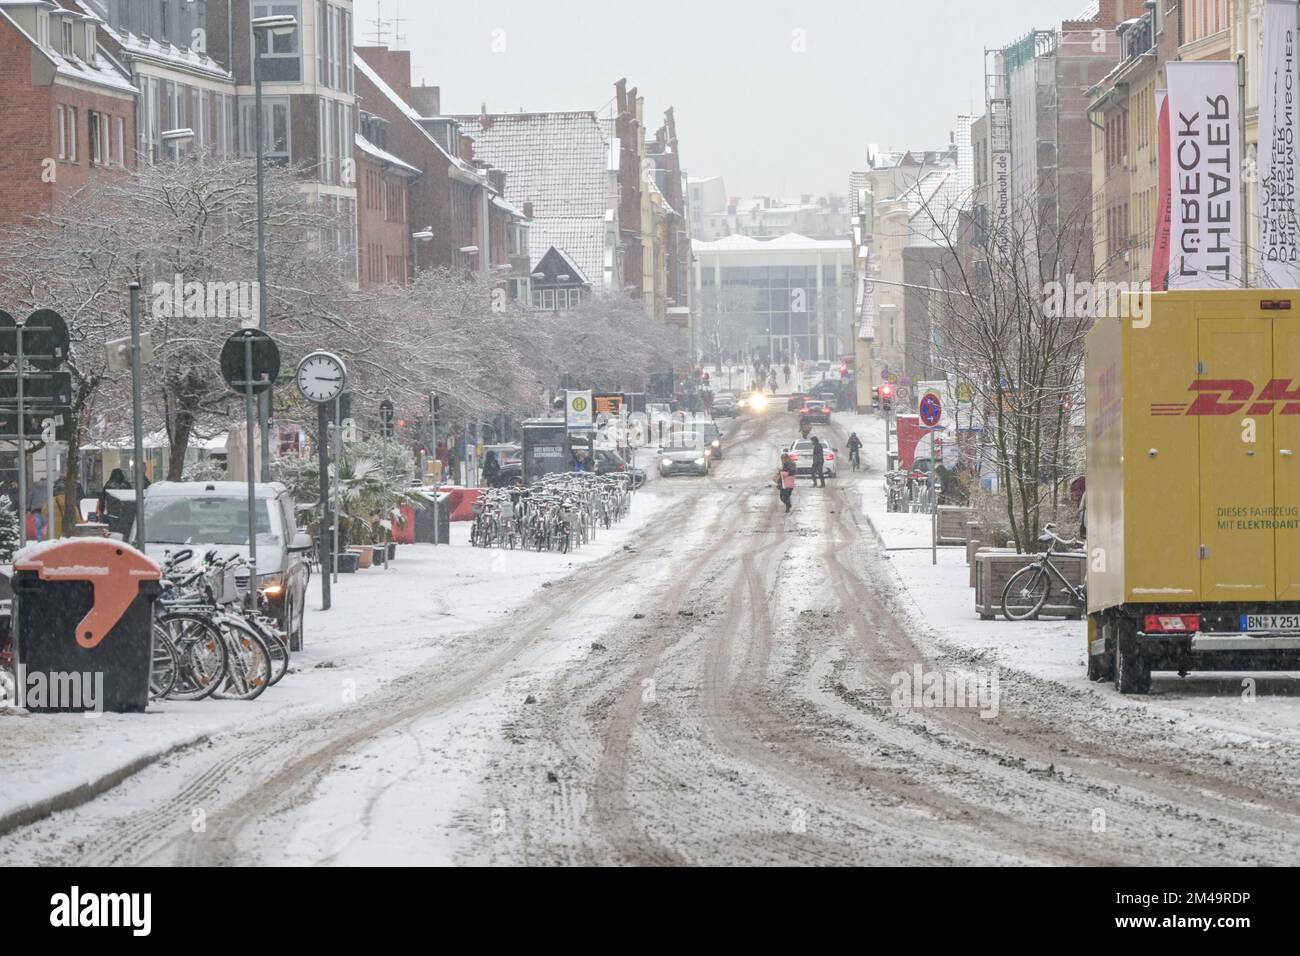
1233, 396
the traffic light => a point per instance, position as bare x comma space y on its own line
386, 419
886, 391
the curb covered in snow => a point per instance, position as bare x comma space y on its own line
83, 793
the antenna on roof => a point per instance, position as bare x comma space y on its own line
380, 34
399, 37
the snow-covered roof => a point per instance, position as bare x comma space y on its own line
790, 242
382, 155
558, 162
103, 72
458, 164
581, 237
575, 270
166, 53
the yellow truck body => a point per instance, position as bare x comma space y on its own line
1193, 475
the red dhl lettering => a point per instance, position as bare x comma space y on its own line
1235, 396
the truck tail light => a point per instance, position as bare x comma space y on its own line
1172, 623
1275, 304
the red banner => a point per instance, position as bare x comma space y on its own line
1164, 212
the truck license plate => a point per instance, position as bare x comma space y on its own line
1270, 622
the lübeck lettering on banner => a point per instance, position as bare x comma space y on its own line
1207, 214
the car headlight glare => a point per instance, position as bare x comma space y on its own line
668, 462
699, 461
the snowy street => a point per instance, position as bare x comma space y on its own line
709, 683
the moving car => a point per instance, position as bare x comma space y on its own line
796, 401
712, 436
724, 404
685, 454
213, 515
816, 413
801, 453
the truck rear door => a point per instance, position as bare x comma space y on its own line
1236, 458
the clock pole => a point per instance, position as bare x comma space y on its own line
326, 522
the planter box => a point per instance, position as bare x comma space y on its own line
952, 523
365, 555
348, 562
392, 550
994, 567
379, 554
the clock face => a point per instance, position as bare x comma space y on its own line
321, 377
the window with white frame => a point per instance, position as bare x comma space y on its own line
70, 113
274, 44
67, 49
275, 127
42, 28
62, 123
347, 174
326, 141
91, 57
548, 300
121, 142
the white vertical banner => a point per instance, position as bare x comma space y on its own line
1275, 199
578, 410
1206, 152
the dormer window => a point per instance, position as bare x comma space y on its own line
90, 44
67, 49
42, 28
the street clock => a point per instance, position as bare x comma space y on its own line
321, 377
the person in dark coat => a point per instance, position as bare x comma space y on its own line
818, 463
785, 477
491, 469
116, 482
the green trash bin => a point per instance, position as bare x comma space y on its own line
84, 616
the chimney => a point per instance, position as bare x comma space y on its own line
393, 67
466, 149
528, 209
485, 120
426, 99
497, 177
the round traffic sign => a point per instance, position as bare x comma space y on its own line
45, 340
931, 409
266, 360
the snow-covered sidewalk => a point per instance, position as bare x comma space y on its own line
384, 623
940, 598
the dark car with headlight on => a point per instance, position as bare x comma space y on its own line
711, 435
686, 453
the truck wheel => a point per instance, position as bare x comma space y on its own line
1132, 671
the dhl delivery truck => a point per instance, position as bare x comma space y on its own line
1193, 490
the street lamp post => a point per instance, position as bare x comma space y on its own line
424, 235
264, 28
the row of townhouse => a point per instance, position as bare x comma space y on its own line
552, 205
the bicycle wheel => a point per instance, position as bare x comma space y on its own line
1025, 593
248, 671
277, 642
166, 664
200, 651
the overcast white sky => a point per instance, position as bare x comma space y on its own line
749, 107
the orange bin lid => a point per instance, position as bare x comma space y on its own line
114, 569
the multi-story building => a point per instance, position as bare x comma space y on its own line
69, 108
1039, 132
1125, 146
458, 214
193, 62
716, 215
782, 298
384, 234
563, 168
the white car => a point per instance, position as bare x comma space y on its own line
801, 452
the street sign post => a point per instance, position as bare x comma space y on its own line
250, 363
931, 411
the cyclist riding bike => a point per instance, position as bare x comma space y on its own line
855, 451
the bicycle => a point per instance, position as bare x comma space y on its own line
1027, 590
855, 459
